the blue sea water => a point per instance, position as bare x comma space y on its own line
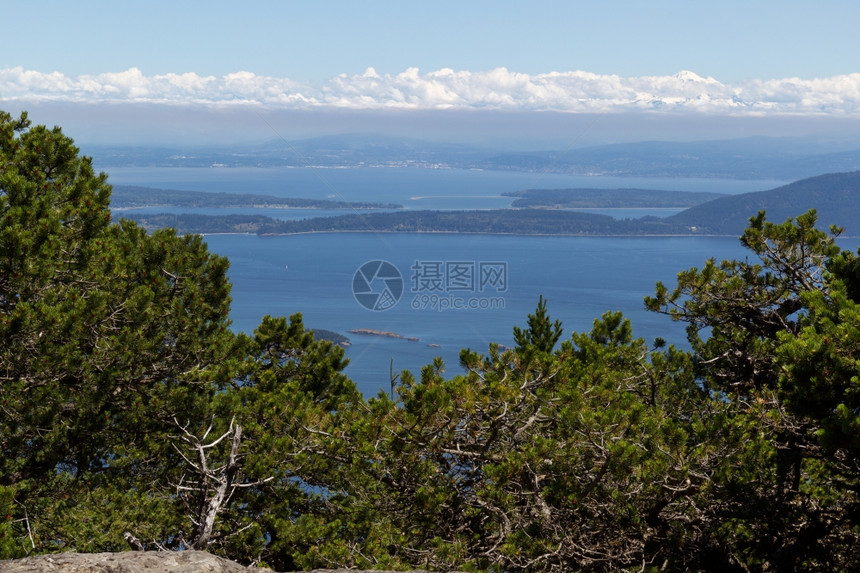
413, 188
582, 277
315, 274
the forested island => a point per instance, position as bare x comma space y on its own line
331, 336
835, 196
131, 196
496, 221
583, 198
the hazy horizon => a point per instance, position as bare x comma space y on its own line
547, 74
161, 124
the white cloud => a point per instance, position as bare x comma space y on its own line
502, 89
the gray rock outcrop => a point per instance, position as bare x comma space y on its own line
136, 562
126, 562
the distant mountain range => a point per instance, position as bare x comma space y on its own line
836, 197
748, 158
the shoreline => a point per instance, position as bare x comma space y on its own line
263, 206
499, 234
382, 333
571, 235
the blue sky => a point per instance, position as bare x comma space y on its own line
729, 40
717, 58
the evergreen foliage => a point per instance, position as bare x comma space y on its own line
128, 405
542, 334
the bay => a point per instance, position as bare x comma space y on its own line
582, 277
414, 188
315, 274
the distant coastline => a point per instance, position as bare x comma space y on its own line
528, 222
836, 198
129, 197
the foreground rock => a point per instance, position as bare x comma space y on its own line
135, 562
127, 562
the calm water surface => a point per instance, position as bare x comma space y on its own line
581, 277
411, 187
315, 274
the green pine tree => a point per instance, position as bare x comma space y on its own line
542, 333
106, 334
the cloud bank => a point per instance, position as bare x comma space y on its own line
499, 89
